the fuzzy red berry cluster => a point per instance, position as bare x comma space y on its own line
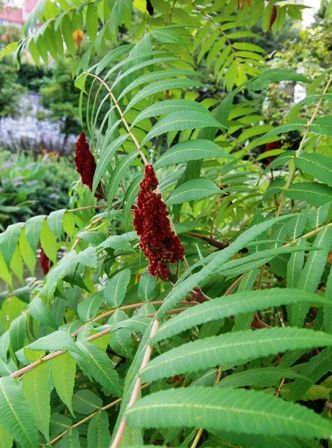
158, 241
84, 160
44, 261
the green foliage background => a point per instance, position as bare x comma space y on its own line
236, 349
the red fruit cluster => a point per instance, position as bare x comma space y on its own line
84, 160
44, 261
158, 241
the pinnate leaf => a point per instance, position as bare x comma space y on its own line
63, 370
15, 415
193, 190
227, 409
98, 433
37, 394
191, 150
231, 349
232, 305
116, 288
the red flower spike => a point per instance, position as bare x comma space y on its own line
44, 261
84, 160
158, 241
274, 14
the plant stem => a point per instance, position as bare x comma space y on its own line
20, 372
137, 386
85, 419
86, 207
124, 121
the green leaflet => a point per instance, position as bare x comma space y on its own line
275, 75
116, 288
161, 86
86, 402
33, 228
17, 332
185, 285
9, 240
88, 308
6, 440
195, 189
238, 303
155, 76
98, 433
317, 165
294, 268
313, 370
27, 254
67, 266
106, 158
128, 73
118, 174
327, 318
179, 121
48, 242
4, 272
243, 321
191, 150
42, 313
37, 394
58, 340
146, 287
261, 377
167, 107
231, 349
235, 267
55, 222
92, 21
227, 409
262, 441
70, 440
311, 274
98, 366
63, 370
121, 339
15, 415
310, 192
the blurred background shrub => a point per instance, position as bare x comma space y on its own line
33, 185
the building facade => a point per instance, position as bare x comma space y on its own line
16, 16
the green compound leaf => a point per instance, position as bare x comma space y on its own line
227, 409
98, 433
193, 190
37, 394
231, 349
116, 288
179, 121
63, 370
317, 165
191, 150
241, 302
15, 415
98, 366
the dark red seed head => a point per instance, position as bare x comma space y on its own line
85, 161
158, 241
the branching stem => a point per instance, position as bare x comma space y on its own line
123, 119
137, 385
